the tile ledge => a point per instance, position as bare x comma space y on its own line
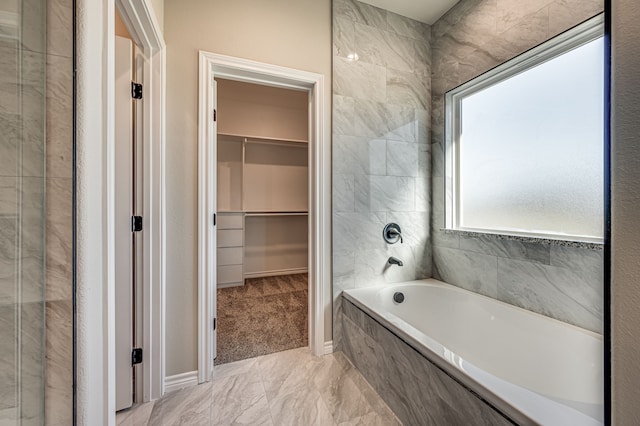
564, 243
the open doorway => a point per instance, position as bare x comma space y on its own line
266, 223
262, 220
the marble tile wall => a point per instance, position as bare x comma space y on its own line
381, 147
36, 189
22, 209
59, 225
416, 390
565, 283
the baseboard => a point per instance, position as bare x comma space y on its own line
328, 347
179, 381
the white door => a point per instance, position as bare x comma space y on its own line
124, 210
213, 251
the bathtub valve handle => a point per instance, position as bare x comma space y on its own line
392, 233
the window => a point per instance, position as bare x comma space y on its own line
524, 142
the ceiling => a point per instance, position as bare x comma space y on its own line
427, 11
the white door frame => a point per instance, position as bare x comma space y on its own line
145, 31
95, 143
214, 65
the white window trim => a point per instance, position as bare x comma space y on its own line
577, 36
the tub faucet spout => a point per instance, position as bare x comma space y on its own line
395, 261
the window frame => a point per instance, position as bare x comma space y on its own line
575, 37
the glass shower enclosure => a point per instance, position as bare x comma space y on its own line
22, 211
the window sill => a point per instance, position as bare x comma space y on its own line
597, 246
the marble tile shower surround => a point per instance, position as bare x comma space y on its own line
381, 147
286, 388
565, 283
36, 201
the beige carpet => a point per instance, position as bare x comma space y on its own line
264, 316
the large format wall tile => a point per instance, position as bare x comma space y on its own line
562, 282
381, 150
59, 341
418, 391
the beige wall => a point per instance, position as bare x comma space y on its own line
290, 33
625, 204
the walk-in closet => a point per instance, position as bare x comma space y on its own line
262, 221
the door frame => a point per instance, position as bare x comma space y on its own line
215, 65
147, 35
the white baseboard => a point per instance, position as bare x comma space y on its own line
179, 381
328, 347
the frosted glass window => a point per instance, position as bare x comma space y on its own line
527, 147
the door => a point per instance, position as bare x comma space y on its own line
124, 254
214, 207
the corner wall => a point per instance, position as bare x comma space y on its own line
381, 151
562, 282
290, 33
625, 203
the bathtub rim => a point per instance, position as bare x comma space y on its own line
490, 397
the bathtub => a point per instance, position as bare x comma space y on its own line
531, 368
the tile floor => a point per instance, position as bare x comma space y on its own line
264, 316
286, 388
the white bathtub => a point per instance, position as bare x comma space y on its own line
523, 363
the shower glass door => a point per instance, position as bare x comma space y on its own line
22, 211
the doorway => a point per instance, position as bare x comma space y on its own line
262, 197
212, 67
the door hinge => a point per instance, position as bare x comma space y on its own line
136, 223
136, 90
136, 356
214, 219
215, 115
214, 323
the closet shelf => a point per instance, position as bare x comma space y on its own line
275, 213
255, 139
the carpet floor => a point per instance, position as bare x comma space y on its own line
264, 316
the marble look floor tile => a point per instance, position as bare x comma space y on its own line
302, 407
239, 400
285, 372
234, 368
189, 406
286, 388
137, 415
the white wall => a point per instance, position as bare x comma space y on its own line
625, 204
290, 33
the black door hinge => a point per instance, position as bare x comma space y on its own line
214, 323
136, 356
136, 90
215, 115
214, 219
136, 223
